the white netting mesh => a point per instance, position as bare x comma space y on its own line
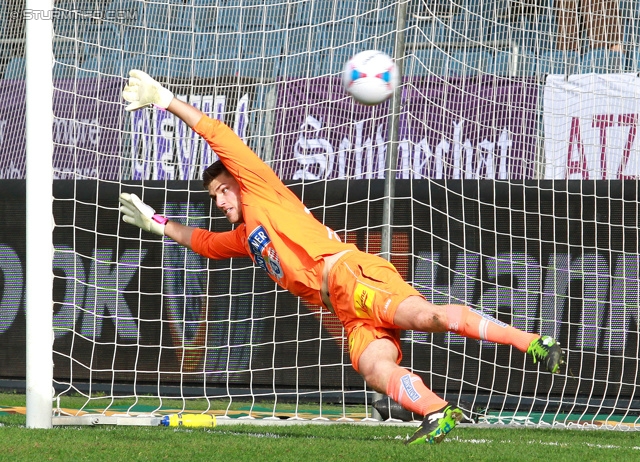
516, 194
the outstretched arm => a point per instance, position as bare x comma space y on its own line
243, 164
227, 244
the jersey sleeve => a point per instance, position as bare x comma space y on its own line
218, 246
243, 164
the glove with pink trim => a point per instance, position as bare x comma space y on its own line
136, 212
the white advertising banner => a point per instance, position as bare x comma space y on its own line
591, 125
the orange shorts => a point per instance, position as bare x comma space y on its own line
365, 291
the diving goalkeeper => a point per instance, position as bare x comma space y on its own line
367, 294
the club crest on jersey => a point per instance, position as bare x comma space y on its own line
264, 253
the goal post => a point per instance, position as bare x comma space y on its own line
503, 175
39, 218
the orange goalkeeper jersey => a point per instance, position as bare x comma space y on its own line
279, 233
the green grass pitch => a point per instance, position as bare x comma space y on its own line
305, 442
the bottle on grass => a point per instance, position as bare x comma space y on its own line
189, 420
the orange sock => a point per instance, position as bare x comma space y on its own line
475, 324
410, 391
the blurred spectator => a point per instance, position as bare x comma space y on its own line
599, 19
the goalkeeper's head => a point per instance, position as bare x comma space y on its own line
224, 190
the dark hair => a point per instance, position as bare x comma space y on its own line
212, 172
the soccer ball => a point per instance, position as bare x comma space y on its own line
370, 77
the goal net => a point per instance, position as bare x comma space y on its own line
516, 193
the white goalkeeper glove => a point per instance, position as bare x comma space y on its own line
136, 212
142, 90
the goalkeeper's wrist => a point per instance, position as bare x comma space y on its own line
159, 219
158, 223
165, 96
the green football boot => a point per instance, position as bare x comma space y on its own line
547, 350
436, 426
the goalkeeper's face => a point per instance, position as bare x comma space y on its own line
225, 190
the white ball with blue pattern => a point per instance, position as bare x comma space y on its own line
370, 77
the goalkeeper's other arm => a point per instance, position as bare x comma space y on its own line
136, 212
